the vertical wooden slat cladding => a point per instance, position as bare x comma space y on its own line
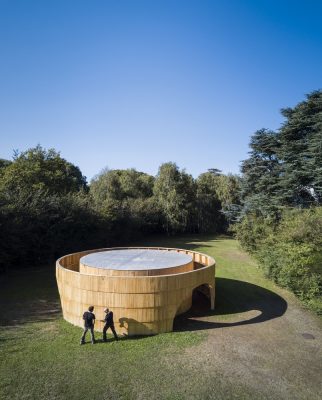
144, 303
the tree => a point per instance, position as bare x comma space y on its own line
4, 163
44, 209
228, 192
209, 217
37, 227
175, 194
39, 169
301, 151
285, 167
260, 186
121, 185
125, 197
215, 171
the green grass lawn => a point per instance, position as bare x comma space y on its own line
41, 357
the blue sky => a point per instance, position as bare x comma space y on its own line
136, 83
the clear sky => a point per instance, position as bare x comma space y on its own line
136, 83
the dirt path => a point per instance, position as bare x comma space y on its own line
273, 357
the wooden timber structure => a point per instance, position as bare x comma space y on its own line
143, 302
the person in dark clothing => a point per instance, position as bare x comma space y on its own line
109, 323
89, 321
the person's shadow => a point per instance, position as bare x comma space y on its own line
134, 328
232, 297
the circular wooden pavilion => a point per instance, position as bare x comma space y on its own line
145, 287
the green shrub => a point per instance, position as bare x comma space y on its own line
39, 227
290, 253
252, 231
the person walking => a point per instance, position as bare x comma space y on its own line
109, 323
89, 322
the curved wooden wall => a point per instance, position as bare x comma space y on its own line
142, 305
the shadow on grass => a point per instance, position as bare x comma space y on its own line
232, 297
29, 296
35, 311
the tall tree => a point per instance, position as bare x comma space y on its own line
209, 216
126, 198
175, 194
285, 167
301, 151
122, 184
39, 169
228, 192
260, 186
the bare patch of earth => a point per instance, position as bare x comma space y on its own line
279, 358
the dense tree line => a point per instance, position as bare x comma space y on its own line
47, 208
281, 195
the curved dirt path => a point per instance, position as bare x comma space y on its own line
261, 342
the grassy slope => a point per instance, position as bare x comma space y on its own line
41, 357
